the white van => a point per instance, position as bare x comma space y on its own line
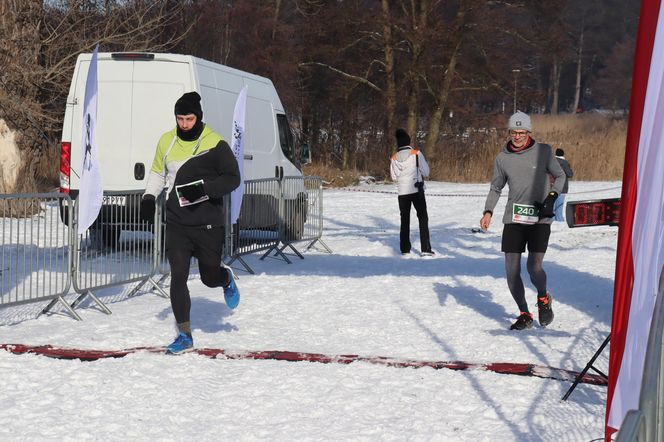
136, 96
135, 100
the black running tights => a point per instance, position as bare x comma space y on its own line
514, 281
211, 276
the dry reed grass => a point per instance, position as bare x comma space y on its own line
331, 176
594, 145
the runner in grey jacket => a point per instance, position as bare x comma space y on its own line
527, 174
525, 166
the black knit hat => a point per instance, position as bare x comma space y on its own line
403, 139
189, 103
560, 153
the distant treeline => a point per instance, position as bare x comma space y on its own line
349, 72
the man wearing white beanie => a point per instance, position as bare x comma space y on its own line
525, 166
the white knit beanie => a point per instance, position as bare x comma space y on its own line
520, 121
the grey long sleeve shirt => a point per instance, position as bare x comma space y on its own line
527, 175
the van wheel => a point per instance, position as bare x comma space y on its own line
296, 216
105, 237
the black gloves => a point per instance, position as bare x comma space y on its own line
147, 208
546, 206
192, 192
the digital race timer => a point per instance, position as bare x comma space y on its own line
593, 213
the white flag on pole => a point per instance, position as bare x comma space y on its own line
238, 150
91, 193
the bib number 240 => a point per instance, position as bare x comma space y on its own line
525, 214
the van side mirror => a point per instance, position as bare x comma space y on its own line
306, 155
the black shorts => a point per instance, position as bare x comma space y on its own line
516, 236
204, 244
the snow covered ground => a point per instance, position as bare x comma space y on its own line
364, 299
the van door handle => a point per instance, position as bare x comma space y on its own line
248, 157
139, 171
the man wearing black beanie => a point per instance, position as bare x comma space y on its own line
407, 168
197, 168
190, 104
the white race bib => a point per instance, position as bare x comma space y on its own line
525, 214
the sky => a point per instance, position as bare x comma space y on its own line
363, 299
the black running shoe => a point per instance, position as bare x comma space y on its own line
544, 307
524, 321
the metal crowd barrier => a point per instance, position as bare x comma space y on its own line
43, 257
647, 423
258, 225
305, 211
118, 248
160, 270
633, 427
275, 215
35, 257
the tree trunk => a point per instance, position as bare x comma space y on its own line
577, 88
275, 17
555, 81
390, 90
413, 105
436, 118
419, 24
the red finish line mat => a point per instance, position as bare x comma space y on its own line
539, 371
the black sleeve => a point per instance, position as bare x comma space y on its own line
229, 173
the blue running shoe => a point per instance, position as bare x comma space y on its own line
181, 344
231, 292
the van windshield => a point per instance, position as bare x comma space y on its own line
286, 138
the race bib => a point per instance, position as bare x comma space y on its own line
525, 214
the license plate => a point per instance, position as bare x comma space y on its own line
119, 200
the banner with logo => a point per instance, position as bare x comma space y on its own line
238, 150
91, 193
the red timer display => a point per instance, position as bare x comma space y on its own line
593, 213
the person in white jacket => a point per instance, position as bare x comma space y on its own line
408, 169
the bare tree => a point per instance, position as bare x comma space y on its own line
441, 91
20, 47
39, 43
613, 88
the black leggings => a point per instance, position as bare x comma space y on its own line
182, 245
420, 203
514, 281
